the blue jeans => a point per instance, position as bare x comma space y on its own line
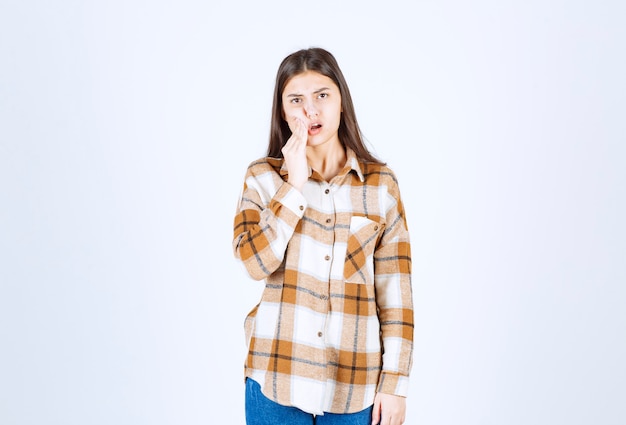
260, 410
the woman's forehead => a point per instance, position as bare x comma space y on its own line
308, 82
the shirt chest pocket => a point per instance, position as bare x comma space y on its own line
362, 240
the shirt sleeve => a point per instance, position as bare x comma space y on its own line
267, 214
394, 298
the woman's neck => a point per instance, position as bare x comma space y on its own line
328, 159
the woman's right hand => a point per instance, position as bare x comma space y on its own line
294, 153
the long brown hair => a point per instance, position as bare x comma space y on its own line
322, 61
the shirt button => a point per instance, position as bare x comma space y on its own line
323, 297
327, 191
327, 258
328, 220
301, 207
375, 227
320, 334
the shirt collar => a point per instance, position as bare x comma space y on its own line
352, 164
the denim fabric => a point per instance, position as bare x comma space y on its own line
364, 417
262, 411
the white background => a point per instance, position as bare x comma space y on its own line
125, 130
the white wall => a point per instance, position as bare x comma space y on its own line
125, 130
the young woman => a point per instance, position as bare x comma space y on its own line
321, 220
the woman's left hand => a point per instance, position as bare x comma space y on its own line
389, 409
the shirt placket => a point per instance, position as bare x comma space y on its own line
328, 206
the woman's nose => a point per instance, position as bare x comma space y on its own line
310, 110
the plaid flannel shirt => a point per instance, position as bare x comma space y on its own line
335, 320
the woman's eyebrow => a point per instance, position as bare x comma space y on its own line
315, 92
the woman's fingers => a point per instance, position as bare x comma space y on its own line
376, 411
388, 409
294, 153
298, 137
300, 131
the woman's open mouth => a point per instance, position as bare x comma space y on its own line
315, 128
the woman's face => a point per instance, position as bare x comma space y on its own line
314, 99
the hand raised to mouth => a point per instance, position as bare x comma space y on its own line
294, 153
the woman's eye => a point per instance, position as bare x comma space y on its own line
323, 95
295, 100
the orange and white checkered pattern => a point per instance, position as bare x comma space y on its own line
335, 321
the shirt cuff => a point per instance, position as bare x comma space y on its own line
393, 383
291, 198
